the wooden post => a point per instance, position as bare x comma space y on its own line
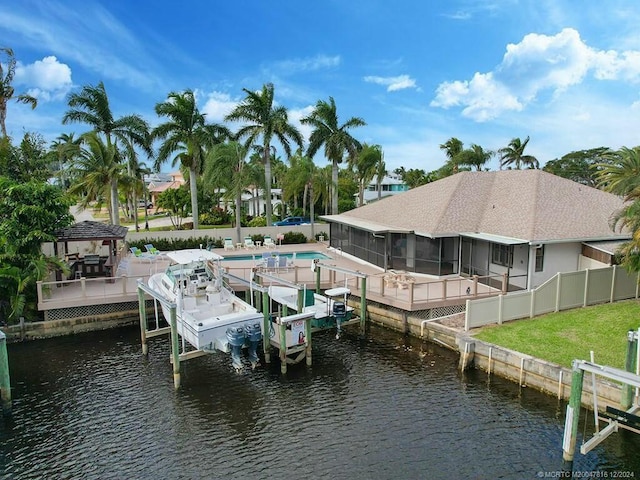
283, 348
363, 305
317, 278
301, 300
143, 322
307, 324
175, 348
266, 323
5, 383
626, 398
572, 417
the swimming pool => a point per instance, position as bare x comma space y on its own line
299, 256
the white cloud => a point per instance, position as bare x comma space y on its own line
217, 106
310, 64
393, 83
46, 79
537, 64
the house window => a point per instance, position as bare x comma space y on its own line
540, 258
502, 255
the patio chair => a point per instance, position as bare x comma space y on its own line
139, 254
228, 244
268, 242
248, 243
283, 264
151, 249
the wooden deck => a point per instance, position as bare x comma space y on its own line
410, 292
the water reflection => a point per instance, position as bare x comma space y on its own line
386, 406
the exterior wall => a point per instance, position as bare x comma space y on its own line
585, 263
558, 257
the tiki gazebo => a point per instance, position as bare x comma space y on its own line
90, 264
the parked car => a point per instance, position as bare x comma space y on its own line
292, 221
142, 204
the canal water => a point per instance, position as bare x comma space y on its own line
90, 406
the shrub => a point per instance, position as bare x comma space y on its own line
294, 237
321, 234
217, 216
178, 243
258, 222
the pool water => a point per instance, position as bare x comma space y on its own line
299, 256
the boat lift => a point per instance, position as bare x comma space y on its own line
628, 417
361, 280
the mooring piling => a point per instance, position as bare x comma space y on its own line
5, 383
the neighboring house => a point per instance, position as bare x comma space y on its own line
391, 185
255, 205
527, 224
159, 182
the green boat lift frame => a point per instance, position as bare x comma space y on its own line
628, 417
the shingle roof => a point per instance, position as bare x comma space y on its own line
91, 230
527, 204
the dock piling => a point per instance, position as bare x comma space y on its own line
5, 383
572, 417
143, 322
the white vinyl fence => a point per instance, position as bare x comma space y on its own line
562, 292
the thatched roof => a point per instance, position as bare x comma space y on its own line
91, 230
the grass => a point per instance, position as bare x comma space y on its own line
564, 336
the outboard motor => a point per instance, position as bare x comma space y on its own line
340, 313
235, 336
254, 336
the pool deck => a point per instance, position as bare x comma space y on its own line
410, 292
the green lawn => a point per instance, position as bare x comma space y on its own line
564, 336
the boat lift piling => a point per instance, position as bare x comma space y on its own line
172, 329
5, 383
628, 418
318, 265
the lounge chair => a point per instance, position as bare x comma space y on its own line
268, 242
283, 263
151, 249
228, 244
139, 254
248, 243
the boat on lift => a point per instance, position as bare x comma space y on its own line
330, 310
208, 313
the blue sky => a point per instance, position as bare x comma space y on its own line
564, 72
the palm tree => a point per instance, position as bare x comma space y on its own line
452, 148
364, 167
267, 121
475, 156
381, 172
91, 106
336, 139
99, 171
63, 150
226, 165
188, 136
620, 174
514, 154
7, 92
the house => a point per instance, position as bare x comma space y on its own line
391, 184
525, 224
158, 183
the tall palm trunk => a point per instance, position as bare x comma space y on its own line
194, 196
239, 216
267, 182
115, 209
334, 188
311, 210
